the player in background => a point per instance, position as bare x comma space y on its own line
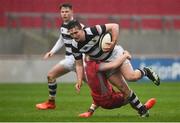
102, 91
64, 66
87, 42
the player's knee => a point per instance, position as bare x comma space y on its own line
51, 78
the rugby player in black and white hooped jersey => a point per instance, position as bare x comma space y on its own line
64, 66
87, 42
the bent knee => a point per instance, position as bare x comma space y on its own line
51, 78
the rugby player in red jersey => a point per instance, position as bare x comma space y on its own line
102, 91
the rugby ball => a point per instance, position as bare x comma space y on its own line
104, 38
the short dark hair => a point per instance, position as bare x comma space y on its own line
66, 5
73, 24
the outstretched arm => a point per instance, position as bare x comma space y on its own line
55, 48
116, 63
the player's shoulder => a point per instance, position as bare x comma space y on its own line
91, 30
64, 26
64, 32
74, 43
83, 26
88, 30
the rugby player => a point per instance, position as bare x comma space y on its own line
102, 92
87, 42
64, 66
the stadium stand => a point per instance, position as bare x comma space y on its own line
154, 13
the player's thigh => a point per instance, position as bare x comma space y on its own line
57, 70
119, 82
127, 71
68, 63
64, 66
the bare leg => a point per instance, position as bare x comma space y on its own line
57, 71
133, 75
117, 80
129, 73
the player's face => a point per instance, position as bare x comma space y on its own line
66, 14
77, 34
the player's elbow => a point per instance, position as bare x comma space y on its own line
116, 25
112, 26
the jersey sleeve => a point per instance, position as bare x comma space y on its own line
96, 30
100, 29
77, 55
58, 45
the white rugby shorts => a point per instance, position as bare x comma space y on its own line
118, 50
68, 62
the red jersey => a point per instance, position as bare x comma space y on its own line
96, 80
101, 90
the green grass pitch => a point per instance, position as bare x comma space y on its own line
17, 104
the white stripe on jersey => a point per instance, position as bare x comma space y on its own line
89, 32
68, 41
69, 49
64, 31
90, 44
74, 44
75, 54
99, 29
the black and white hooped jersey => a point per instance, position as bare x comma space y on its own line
66, 38
91, 44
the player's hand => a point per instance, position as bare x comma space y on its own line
108, 46
86, 114
78, 86
47, 55
128, 55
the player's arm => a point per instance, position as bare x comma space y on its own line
113, 28
55, 48
79, 73
58, 45
116, 63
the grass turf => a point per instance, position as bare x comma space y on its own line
17, 103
